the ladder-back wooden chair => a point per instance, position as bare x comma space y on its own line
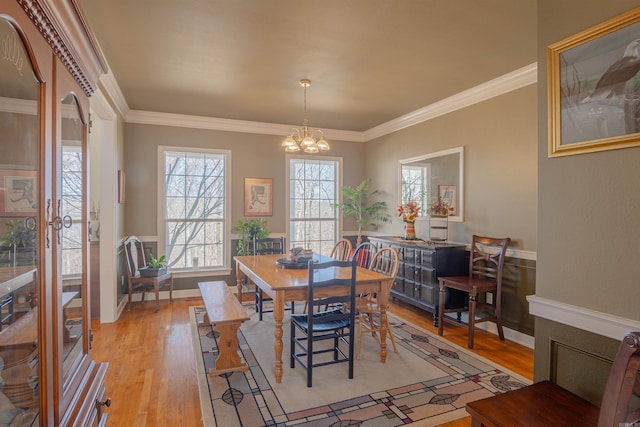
486, 262
135, 259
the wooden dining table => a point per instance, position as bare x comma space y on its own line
290, 284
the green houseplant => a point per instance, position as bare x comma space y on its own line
357, 202
248, 230
19, 239
155, 267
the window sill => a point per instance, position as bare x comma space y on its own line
201, 273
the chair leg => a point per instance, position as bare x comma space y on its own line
309, 358
359, 344
441, 308
259, 296
498, 317
472, 317
129, 303
387, 325
156, 290
171, 290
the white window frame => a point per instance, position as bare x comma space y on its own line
339, 173
161, 243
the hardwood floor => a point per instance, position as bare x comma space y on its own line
151, 378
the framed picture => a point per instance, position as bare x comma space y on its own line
594, 88
449, 195
120, 186
258, 199
18, 192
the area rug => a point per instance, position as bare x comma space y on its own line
427, 383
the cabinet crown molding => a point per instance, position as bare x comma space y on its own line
63, 26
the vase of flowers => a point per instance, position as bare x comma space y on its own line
440, 208
409, 212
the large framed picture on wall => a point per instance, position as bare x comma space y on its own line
594, 88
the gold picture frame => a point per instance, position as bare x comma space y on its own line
593, 88
258, 197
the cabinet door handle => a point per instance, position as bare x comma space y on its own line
107, 402
57, 222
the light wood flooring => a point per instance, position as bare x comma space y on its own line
152, 380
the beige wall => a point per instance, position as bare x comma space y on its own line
252, 156
589, 204
500, 139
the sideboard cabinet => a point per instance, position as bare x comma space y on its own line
49, 67
421, 264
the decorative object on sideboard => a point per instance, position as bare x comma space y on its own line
305, 140
409, 212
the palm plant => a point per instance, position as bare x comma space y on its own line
356, 203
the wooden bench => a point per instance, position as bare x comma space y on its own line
546, 404
225, 314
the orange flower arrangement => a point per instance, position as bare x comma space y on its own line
441, 207
409, 211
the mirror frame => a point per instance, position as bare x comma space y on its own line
459, 217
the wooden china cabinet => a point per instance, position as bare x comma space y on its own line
49, 67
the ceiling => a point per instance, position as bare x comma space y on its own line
369, 61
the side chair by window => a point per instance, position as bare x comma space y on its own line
486, 263
334, 325
135, 259
387, 262
267, 246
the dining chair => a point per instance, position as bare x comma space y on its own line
387, 262
333, 325
364, 253
135, 259
486, 263
267, 246
342, 250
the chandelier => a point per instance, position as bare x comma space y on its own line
309, 142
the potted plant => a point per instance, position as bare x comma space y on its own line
357, 203
249, 229
21, 241
155, 267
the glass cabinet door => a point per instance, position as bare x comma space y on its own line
20, 195
71, 254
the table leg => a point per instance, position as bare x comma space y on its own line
239, 276
278, 316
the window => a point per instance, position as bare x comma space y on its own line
194, 212
71, 249
414, 185
313, 190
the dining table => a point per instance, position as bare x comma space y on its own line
284, 284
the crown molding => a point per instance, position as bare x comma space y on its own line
506, 83
112, 90
509, 82
228, 125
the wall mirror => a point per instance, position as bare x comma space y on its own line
434, 177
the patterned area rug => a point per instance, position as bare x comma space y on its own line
427, 383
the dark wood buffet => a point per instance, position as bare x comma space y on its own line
421, 263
